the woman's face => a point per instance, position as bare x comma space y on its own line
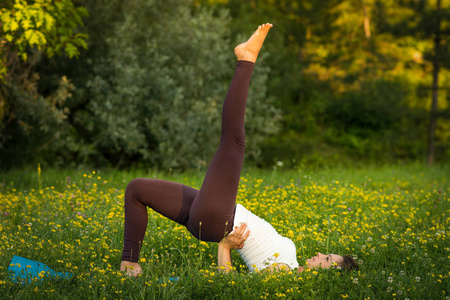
323, 261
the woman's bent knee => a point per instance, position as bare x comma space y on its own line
133, 188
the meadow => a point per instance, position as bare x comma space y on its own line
394, 220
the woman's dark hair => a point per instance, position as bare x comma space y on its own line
349, 264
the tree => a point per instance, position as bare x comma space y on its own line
171, 73
47, 26
336, 58
31, 30
148, 91
437, 60
423, 28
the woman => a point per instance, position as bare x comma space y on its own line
211, 212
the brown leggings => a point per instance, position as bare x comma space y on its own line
207, 213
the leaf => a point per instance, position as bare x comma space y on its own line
71, 50
49, 21
82, 11
18, 6
41, 37
50, 52
80, 40
32, 37
26, 24
28, 33
40, 18
5, 17
18, 15
13, 26
24, 56
82, 43
3, 71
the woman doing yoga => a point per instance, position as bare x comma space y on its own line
211, 213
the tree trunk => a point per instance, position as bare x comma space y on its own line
366, 21
434, 102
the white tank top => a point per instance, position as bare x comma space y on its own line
264, 246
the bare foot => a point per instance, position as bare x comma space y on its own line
131, 269
250, 49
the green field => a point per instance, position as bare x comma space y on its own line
394, 220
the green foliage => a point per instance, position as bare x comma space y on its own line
368, 62
31, 30
155, 92
35, 120
171, 80
47, 25
351, 81
396, 226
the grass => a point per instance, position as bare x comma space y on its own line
395, 220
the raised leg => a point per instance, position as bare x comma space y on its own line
212, 212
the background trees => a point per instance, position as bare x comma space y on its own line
356, 77
167, 72
147, 91
29, 31
341, 82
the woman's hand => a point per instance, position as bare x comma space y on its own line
236, 239
233, 241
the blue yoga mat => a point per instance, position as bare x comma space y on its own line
24, 270
170, 279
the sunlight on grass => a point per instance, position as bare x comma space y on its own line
396, 226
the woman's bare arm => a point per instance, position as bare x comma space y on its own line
224, 258
233, 241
